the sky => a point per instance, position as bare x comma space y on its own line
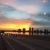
36, 10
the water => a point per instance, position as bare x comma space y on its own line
26, 33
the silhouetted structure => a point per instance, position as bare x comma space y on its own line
40, 31
19, 30
24, 31
46, 31
31, 31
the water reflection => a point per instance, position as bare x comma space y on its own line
17, 33
21, 33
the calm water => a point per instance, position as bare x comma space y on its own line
21, 33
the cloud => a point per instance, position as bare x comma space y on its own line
4, 7
41, 20
8, 2
11, 12
30, 2
28, 8
44, 1
3, 18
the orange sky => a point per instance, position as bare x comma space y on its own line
16, 25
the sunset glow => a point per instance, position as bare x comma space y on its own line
19, 24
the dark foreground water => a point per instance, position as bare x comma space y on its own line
20, 41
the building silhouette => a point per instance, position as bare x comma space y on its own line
31, 31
